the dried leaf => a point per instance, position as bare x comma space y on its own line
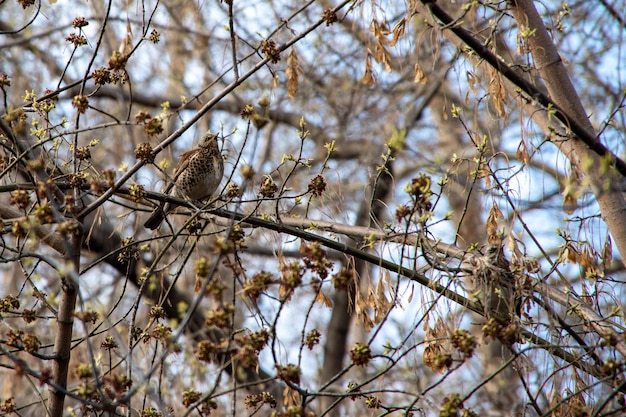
382, 304
369, 78
572, 255
471, 81
569, 203
291, 397
381, 55
491, 225
587, 260
522, 152
398, 31
497, 93
571, 192
323, 299
420, 76
435, 351
431, 352
557, 405
292, 71
126, 46
366, 321
607, 252
512, 246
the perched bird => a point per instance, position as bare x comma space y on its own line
198, 174
493, 280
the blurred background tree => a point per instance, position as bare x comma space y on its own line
421, 212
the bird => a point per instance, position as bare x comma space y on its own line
493, 283
504, 296
198, 174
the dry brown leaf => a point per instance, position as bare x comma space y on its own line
571, 192
292, 71
323, 299
126, 45
491, 225
291, 397
607, 252
497, 93
431, 353
557, 405
471, 81
398, 31
572, 255
569, 204
522, 152
587, 259
420, 76
512, 246
382, 304
369, 78
435, 350
366, 321
381, 55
